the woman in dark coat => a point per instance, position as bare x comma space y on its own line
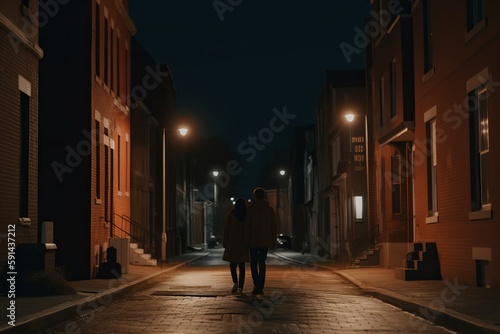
232, 240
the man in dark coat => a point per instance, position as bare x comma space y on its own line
260, 236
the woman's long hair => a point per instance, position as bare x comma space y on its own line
240, 209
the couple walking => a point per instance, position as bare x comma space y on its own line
249, 233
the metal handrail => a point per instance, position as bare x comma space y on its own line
361, 245
138, 234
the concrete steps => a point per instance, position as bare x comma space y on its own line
138, 257
420, 264
370, 257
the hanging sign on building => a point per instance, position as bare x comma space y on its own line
358, 144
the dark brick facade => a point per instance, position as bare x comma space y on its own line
20, 55
441, 56
85, 130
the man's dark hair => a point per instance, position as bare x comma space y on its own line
259, 193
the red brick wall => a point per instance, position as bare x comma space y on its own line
17, 60
457, 61
112, 106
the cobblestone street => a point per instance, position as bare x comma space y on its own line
197, 299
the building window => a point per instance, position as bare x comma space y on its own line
127, 165
431, 168
475, 13
106, 51
118, 62
111, 178
97, 39
106, 173
111, 59
393, 88
126, 72
479, 149
24, 154
428, 59
119, 162
396, 184
381, 100
97, 160
336, 155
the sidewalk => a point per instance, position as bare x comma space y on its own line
34, 313
465, 309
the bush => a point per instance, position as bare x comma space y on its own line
41, 283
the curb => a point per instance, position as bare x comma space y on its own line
453, 320
450, 319
85, 307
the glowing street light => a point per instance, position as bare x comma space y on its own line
214, 212
183, 132
350, 117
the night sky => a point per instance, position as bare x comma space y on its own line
235, 61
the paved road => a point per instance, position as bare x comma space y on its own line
196, 299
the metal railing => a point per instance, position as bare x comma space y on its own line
137, 234
363, 244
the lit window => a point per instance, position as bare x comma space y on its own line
479, 149
431, 168
396, 184
358, 207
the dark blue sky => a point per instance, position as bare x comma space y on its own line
233, 65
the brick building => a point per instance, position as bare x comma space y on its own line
390, 66
85, 130
341, 228
456, 71
155, 154
20, 54
432, 78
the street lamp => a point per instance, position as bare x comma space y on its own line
183, 132
349, 116
214, 210
215, 174
358, 163
281, 214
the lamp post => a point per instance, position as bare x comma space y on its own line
350, 118
214, 209
279, 213
215, 174
183, 132
358, 163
